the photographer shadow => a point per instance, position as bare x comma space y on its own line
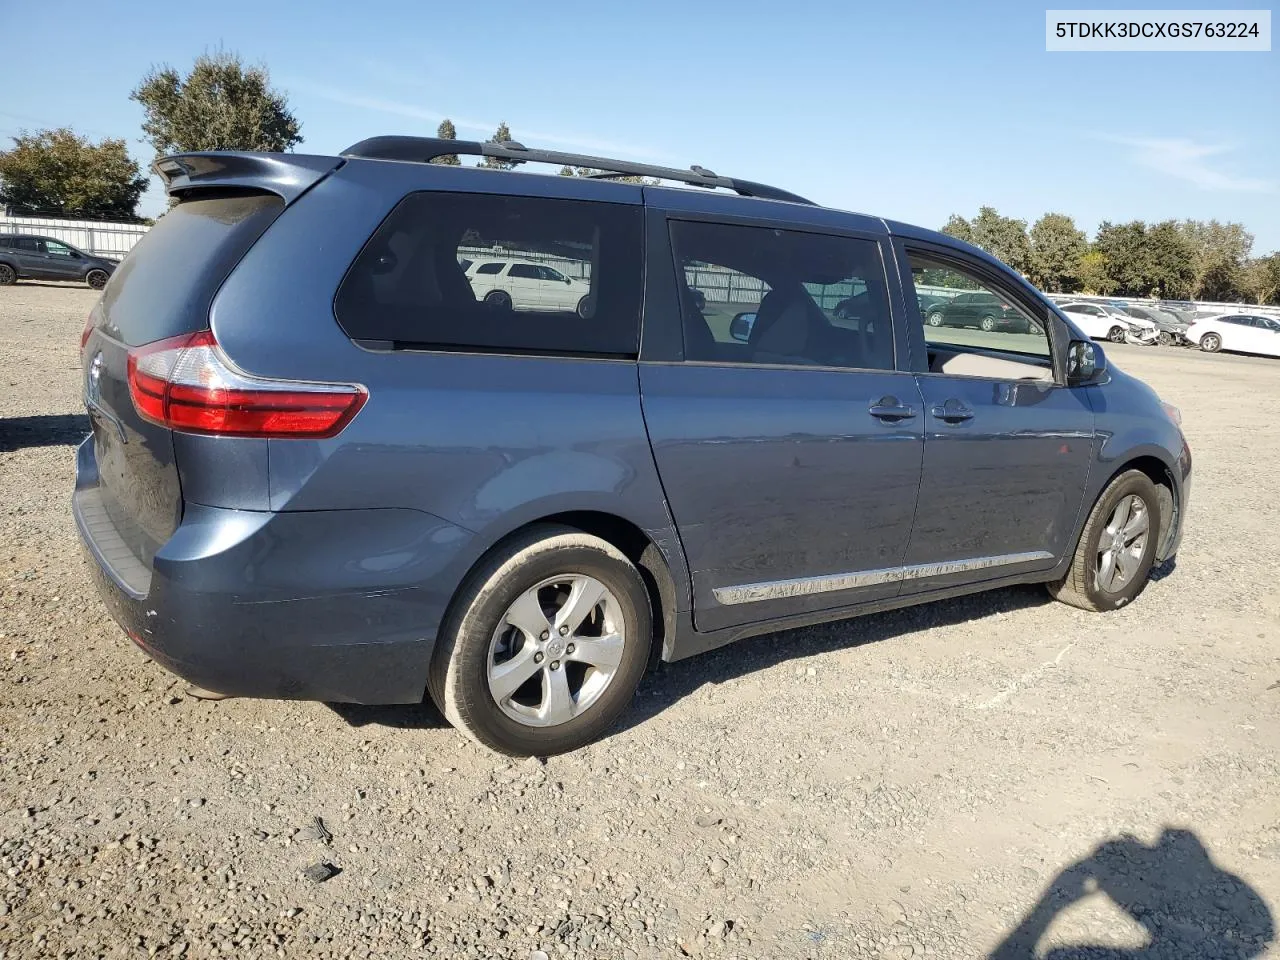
1188, 906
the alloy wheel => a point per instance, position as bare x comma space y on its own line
555, 650
1122, 543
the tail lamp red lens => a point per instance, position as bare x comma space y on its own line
186, 383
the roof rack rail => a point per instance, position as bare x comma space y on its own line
426, 149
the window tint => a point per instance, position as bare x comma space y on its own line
6, 241
547, 273
524, 271
983, 323
781, 297
28, 244
490, 268
57, 249
406, 286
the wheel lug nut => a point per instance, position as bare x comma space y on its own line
555, 664
564, 631
546, 634
569, 648
537, 658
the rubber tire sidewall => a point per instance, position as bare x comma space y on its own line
1111, 335
1211, 338
498, 299
9, 278
458, 680
1080, 586
88, 278
987, 323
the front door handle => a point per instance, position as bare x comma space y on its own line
953, 411
891, 409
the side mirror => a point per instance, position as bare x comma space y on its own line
567, 281
1086, 362
740, 326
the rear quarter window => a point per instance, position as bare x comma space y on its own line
165, 285
406, 287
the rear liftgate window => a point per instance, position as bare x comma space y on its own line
502, 274
166, 283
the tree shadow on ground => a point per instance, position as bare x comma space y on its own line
1188, 906
52, 430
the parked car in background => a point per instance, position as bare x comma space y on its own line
524, 285
982, 310
323, 467
29, 257
1237, 332
1102, 322
1172, 328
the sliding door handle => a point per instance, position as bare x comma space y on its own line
891, 410
953, 411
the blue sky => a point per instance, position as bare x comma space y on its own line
910, 111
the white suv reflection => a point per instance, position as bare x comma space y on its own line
523, 285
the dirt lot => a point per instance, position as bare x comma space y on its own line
923, 783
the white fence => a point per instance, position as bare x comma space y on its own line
92, 236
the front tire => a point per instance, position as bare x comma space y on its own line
1117, 547
97, 279
935, 319
987, 323
8, 276
1116, 335
544, 645
1211, 343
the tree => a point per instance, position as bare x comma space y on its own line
1169, 262
447, 131
1127, 259
219, 105
1219, 252
958, 227
1003, 237
61, 173
1093, 274
1262, 279
501, 135
1056, 249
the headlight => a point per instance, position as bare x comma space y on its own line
1173, 412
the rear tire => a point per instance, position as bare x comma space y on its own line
935, 319
583, 306
498, 299
8, 276
97, 279
1086, 584
1211, 343
479, 638
987, 323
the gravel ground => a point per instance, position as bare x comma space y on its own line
947, 781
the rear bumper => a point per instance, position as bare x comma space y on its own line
337, 605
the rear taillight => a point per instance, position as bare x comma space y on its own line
187, 383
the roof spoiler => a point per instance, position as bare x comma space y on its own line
288, 175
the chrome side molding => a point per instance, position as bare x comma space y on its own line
804, 586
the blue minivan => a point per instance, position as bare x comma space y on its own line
323, 467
